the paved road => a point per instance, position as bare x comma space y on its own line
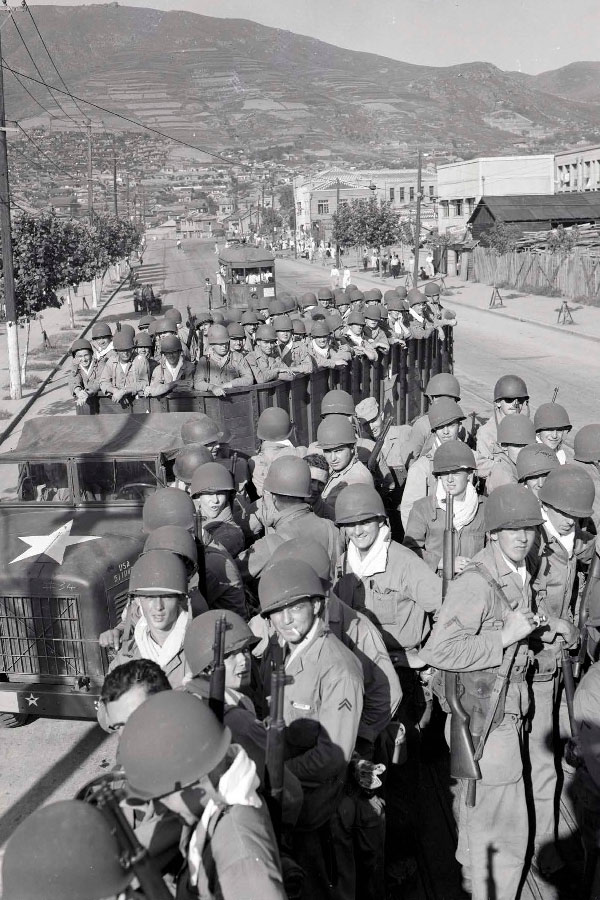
52, 759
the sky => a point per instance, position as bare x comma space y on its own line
522, 35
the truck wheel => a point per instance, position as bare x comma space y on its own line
14, 720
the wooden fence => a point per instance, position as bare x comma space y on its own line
575, 275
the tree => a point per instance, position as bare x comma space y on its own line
563, 240
286, 204
501, 237
365, 222
270, 220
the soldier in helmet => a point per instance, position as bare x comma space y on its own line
64, 851
445, 417
375, 315
83, 382
586, 449
420, 326
514, 433
221, 368
211, 785
398, 331
275, 431
126, 375
442, 385
144, 347
186, 461
250, 323
179, 541
103, 347
481, 633
510, 397
323, 351
294, 355
355, 338
453, 466
392, 452
237, 336
213, 491
552, 424
265, 361
173, 372
533, 464
323, 706
201, 429
337, 438
567, 497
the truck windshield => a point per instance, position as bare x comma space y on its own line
35, 482
104, 479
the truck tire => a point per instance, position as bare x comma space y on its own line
14, 720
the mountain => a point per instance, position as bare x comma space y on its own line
227, 83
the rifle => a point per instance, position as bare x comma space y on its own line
584, 610
192, 331
275, 753
374, 457
569, 684
463, 764
134, 856
216, 697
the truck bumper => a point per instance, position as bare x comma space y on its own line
47, 700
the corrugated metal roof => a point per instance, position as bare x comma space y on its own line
541, 207
243, 254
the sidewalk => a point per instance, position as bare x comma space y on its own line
533, 309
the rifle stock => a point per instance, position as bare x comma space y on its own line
375, 452
216, 698
569, 685
275, 752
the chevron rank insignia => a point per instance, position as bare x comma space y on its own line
345, 704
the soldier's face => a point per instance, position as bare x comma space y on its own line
515, 543
237, 670
512, 451
124, 355
563, 523
102, 342
343, 308
364, 534
119, 710
83, 357
373, 325
448, 432
552, 437
160, 612
356, 329
535, 484
214, 448
267, 347
220, 349
236, 344
144, 352
173, 357
455, 483
322, 342
250, 330
338, 457
283, 337
509, 406
375, 425
294, 622
210, 505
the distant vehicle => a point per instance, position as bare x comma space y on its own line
248, 273
145, 301
71, 498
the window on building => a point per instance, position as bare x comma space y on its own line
401, 198
470, 204
411, 194
458, 207
445, 208
298, 207
431, 190
322, 207
392, 195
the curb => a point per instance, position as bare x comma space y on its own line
42, 387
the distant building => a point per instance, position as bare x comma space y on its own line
461, 185
535, 212
317, 196
578, 169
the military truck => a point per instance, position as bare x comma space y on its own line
71, 497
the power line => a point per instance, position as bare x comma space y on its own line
44, 154
117, 115
41, 105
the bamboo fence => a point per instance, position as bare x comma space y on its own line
575, 275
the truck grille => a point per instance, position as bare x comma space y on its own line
41, 636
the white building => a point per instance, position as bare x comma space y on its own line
578, 169
461, 185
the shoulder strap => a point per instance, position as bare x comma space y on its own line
491, 581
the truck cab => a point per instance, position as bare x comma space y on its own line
71, 498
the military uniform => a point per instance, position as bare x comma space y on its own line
224, 530
503, 471
181, 377
296, 358
330, 358
354, 473
587, 776
425, 532
420, 482
82, 379
593, 470
486, 445
467, 638
258, 464
224, 586
213, 371
132, 377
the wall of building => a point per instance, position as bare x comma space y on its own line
577, 170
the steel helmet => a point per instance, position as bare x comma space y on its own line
144, 322
324, 294
164, 326
101, 329
174, 539
288, 303
402, 292
191, 739
318, 314
123, 341
308, 299
516, 430
356, 296
512, 506
64, 851
587, 444
320, 328
570, 490
415, 296
217, 334
265, 333
395, 303
211, 478
249, 317
218, 318
298, 326
174, 315
168, 506
125, 328
143, 339
342, 300
203, 316
200, 429
443, 385
356, 317
275, 308
549, 416
390, 295
282, 323
285, 583
535, 460
373, 294
432, 289
274, 424
358, 503
448, 314
158, 572
170, 344
307, 550
80, 344
288, 476
200, 635
452, 457
236, 332
443, 411
509, 387
336, 431
375, 312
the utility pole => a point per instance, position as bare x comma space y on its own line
418, 221
127, 193
116, 205
337, 212
90, 186
143, 203
12, 334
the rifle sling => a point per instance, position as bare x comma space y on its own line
506, 665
